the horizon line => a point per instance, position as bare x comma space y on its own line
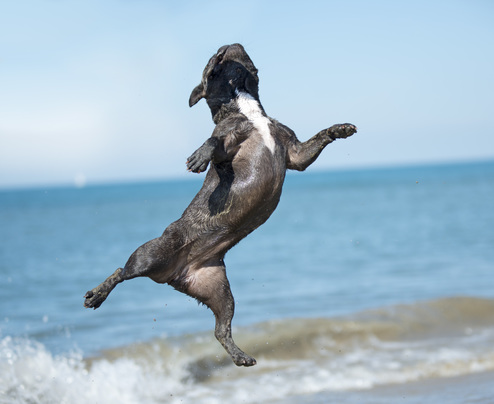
81, 183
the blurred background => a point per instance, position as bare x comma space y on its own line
95, 92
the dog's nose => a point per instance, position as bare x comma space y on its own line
235, 47
221, 52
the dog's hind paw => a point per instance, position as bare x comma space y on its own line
342, 131
244, 360
94, 299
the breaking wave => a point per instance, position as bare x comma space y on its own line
399, 344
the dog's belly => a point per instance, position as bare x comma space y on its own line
236, 198
258, 175
258, 170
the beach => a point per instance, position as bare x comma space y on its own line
473, 388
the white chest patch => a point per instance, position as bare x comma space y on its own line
250, 108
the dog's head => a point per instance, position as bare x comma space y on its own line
230, 70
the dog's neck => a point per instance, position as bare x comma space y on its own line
243, 103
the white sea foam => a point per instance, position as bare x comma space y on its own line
38, 377
30, 374
295, 357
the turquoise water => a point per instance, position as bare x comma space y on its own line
345, 252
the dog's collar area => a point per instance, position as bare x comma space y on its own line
251, 108
248, 105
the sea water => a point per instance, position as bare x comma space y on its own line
359, 279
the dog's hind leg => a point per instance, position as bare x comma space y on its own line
210, 286
143, 262
95, 297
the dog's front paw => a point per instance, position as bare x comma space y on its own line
342, 131
197, 163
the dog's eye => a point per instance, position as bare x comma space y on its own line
214, 73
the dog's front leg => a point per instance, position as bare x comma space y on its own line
199, 160
214, 149
301, 155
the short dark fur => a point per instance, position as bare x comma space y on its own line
241, 190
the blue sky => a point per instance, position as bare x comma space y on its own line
98, 91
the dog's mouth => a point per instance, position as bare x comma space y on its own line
229, 53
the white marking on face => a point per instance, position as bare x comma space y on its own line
251, 109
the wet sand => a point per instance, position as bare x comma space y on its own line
475, 388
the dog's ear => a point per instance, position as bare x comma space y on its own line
196, 95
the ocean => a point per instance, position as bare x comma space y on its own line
365, 286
